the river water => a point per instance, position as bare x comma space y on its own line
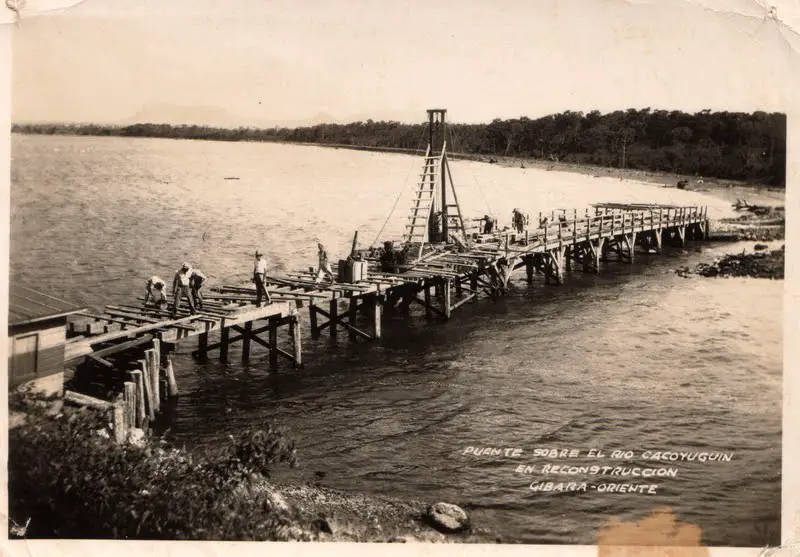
633, 359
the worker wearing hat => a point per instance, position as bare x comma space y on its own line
155, 292
180, 288
260, 278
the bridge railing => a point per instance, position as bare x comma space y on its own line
611, 223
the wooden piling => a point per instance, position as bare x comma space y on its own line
297, 344
223, 346
118, 420
172, 384
529, 268
157, 365
352, 313
202, 345
375, 310
248, 332
147, 388
273, 344
312, 318
446, 298
427, 289
153, 375
136, 379
473, 284
129, 394
334, 312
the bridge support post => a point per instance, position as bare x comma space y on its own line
408, 295
559, 261
312, 318
627, 247
223, 346
473, 285
554, 266
375, 310
682, 236
427, 288
248, 331
446, 298
568, 257
352, 313
273, 344
698, 232
707, 229
593, 250
333, 310
202, 345
297, 343
529, 268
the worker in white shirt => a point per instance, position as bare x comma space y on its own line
155, 292
260, 278
180, 288
196, 281
324, 265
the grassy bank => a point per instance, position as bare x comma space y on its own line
69, 479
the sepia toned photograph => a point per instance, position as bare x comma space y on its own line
400, 272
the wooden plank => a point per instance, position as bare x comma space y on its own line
98, 360
156, 312
86, 400
83, 347
119, 312
120, 347
107, 318
463, 301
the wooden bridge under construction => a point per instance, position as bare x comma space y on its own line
441, 281
449, 267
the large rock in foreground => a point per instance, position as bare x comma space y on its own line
448, 517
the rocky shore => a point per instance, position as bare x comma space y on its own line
760, 264
324, 514
759, 223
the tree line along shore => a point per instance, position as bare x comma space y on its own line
724, 145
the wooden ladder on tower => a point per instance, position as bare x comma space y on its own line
423, 202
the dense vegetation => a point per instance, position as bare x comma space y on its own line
72, 482
729, 145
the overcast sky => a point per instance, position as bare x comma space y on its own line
262, 62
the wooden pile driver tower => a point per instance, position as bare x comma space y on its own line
435, 218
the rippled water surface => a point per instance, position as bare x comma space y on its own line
634, 358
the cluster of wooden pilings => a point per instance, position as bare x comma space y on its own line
135, 396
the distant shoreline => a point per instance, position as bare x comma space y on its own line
728, 145
664, 178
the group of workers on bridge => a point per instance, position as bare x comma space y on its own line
519, 221
188, 283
